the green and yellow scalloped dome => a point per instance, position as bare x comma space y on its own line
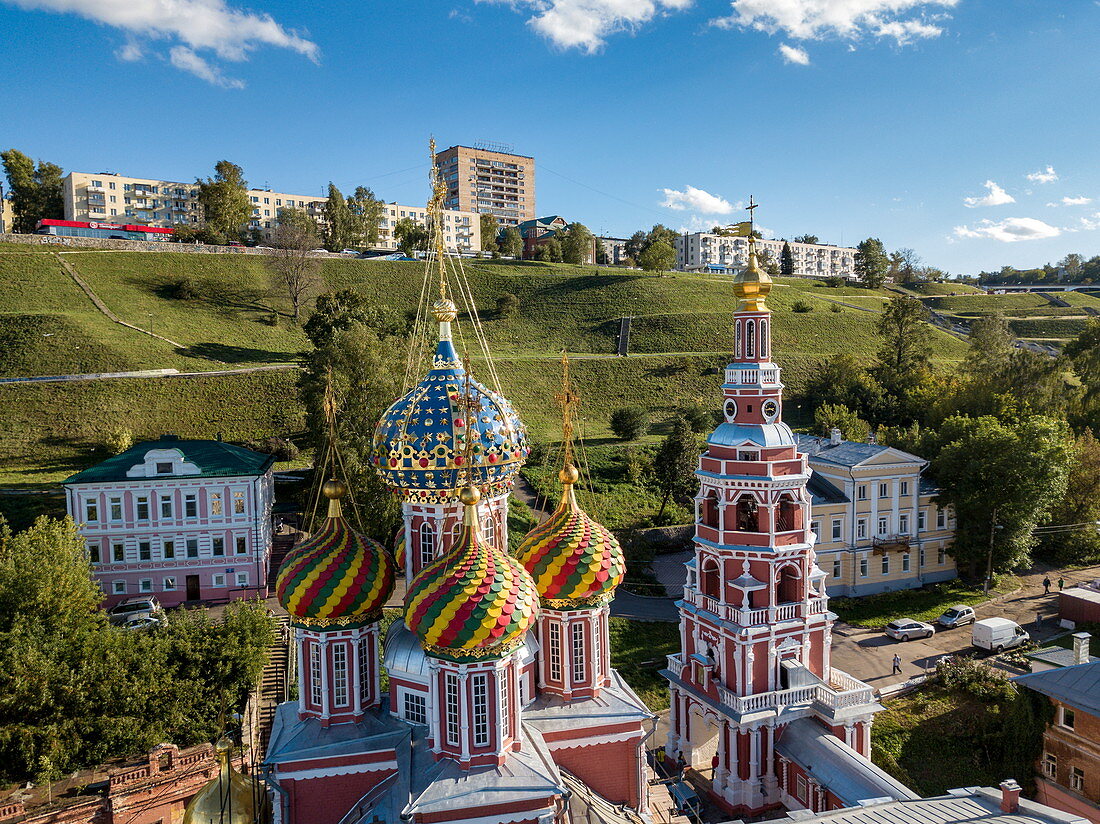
575, 561
336, 577
474, 603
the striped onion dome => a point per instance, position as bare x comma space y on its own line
399, 549
474, 603
575, 561
336, 577
419, 444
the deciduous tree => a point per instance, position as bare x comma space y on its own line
807, 239
511, 244
224, 198
871, 263
576, 244
294, 268
490, 229
834, 415
675, 463
35, 190
411, 237
658, 257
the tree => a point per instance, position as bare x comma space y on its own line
766, 261
871, 263
658, 257
1080, 505
831, 416
553, 250
542, 252
1002, 480
338, 311
507, 305
224, 198
903, 358
635, 245
630, 423
366, 212
675, 463
807, 239
489, 230
511, 243
294, 269
904, 266
991, 347
660, 232
786, 260
842, 380
411, 237
365, 366
576, 244
35, 191
1072, 264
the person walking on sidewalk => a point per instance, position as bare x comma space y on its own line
1061, 583
1046, 585
897, 664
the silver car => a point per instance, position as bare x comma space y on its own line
957, 616
905, 629
131, 608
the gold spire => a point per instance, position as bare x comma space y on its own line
468, 493
443, 309
567, 399
752, 285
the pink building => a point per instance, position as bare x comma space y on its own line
184, 520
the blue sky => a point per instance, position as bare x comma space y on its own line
844, 118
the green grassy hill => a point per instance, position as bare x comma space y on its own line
679, 343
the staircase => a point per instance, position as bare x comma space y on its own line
275, 682
624, 337
280, 546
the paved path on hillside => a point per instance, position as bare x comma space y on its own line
151, 373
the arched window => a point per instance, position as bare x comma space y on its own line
711, 579
711, 514
489, 530
750, 339
427, 544
789, 516
789, 586
456, 531
747, 515
737, 339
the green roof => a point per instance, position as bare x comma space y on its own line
213, 458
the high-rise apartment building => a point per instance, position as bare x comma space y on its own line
708, 251
489, 180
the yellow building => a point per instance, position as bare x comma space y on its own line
7, 215
489, 179
876, 524
143, 201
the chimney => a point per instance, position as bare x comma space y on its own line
1010, 796
834, 437
1081, 647
872, 437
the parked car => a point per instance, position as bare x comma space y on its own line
905, 629
998, 634
956, 616
131, 608
143, 621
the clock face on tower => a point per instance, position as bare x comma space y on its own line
730, 410
770, 409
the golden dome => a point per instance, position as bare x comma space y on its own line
444, 310
752, 285
569, 474
231, 798
334, 489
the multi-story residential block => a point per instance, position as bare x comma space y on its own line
489, 180
877, 526
7, 213
706, 251
186, 520
1069, 767
614, 248
461, 230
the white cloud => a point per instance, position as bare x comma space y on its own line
1076, 201
586, 24
183, 58
209, 25
793, 54
1009, 230
696, 200
1047, 176
902, 21
996, 197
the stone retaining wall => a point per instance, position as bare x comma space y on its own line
62, 243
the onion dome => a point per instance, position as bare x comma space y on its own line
399, 549
337, 577
474, 603
752, 285
231, 798
420, 443
575, 561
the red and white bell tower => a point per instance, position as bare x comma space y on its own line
754, 621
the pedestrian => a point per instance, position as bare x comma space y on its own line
1038, 620
1061, 583
1046, 585
897, 664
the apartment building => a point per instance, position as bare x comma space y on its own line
613, 249
706, 251
878, 528
461, 230
184, 520
489, 180
7, 214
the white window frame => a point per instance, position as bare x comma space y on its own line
218, 580
118, 587
450, 703
427, 543
577, 650
883, 525
415, 708
861, 529
1077, 779
505, 704
91, 511
838, 530
145, 585
906, 562
1050, 765
141, 501
815, 528
941, 518
479, 698
169, 583
863, 567
166, 507
837, 566
885, 563
903, 523
341, 696
242, 578
553, 630
115, 505
922, 520
315, 694
1065, 713
883, 489
363, 654
190, 506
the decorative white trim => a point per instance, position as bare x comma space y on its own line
345, 769
590, 741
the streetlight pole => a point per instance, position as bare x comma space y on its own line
989, 559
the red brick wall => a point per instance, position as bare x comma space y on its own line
611, 770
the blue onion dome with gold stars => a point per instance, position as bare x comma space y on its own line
420, 444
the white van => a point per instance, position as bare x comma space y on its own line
998, 634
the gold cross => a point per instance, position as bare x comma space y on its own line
567, 399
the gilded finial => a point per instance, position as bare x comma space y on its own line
567, 399
469, 494
752, 285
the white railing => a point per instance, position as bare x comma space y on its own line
752, 617
787, 612
675, 662
751, 377
818, 605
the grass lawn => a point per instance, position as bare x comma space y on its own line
988, 303
925, 604
638, 650
935, 289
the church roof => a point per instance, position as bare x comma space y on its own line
210, 459
1078, 686
836, 766
971, 805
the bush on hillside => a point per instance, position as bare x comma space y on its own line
975, 678
835, 307
507, 305
699, 418
282, 448
118, 441
630, 422
834, 281
801, 306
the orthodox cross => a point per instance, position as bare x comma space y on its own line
567, 399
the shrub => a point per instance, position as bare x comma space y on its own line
835, 307
630, 422
282, 448
507, 305
638, 463
834, 281
118, 441
699, 418
182, 289
801, 306
977, 679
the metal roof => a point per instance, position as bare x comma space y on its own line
1058, 657
767, 435
1078, 686
213, 458
846, 453
836, 766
